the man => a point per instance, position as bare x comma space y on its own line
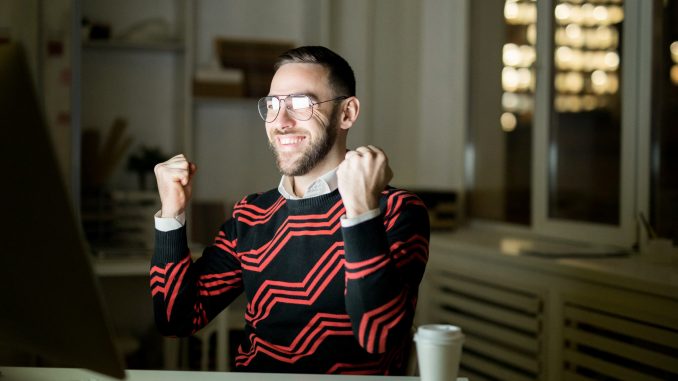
330, 261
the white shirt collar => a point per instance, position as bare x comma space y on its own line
322, 185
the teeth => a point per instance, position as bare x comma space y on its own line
290, 140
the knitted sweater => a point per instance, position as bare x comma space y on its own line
320, 298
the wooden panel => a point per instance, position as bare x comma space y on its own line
490, 312
512, 357
630, 328
604, 367
493, 369
571, 376
471, 375
497, 294
500, 334
630, 351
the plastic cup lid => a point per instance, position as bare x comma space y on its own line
439, 332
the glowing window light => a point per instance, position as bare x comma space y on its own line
567, 103
560, 83
532, 34
674, 74
599, 82
600, 14
559, 103
563, 12
510, 101
528, 55
508, 122
674, 51
574, 81
577, 62
589, 102
561, 37
509, 79
576, 15
574, 35
615, 14
511, 11
524, 78
529, 13
599, 60
564, 57
611, 60
599, 78
603, 37
587, 14
612, 83
588, 60
511, 55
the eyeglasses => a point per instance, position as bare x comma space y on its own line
298, 106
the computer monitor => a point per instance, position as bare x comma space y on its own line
50, 299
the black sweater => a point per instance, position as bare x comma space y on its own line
320, 298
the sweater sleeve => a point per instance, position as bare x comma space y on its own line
385, 262
187, 294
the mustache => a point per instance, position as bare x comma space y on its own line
288, 132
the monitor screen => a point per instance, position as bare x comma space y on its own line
50, 299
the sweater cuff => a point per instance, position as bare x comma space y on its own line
171, 246
365, 240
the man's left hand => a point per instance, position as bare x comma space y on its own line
362, 176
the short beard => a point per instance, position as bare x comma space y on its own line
315, 154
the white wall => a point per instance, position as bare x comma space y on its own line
442, 119
411, 65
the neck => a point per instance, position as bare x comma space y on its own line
331, 161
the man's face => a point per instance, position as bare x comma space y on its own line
299, 146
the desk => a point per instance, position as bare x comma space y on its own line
62, 374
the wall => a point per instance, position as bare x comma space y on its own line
414, 71
485, 74
410, 62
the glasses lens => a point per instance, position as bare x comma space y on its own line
300, 107
268, 108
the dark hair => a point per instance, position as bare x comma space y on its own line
341, 78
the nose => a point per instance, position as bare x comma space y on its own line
283, 121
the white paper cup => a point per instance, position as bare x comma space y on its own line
438, 351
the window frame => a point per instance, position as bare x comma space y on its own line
635, 131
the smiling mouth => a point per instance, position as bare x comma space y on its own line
290, 140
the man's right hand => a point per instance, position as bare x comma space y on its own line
174, 184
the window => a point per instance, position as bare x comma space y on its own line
560, 112
664, 138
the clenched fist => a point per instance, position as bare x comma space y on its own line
174, 184
362, 176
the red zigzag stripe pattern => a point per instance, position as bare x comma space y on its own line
303, 293
321, 326
293, 226
167, 280
394, 203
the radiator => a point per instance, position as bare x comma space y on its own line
601, 345
502, 324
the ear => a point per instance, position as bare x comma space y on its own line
350, 112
